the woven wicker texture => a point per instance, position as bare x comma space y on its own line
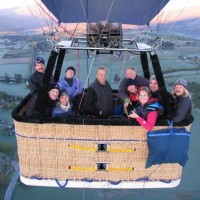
63, 151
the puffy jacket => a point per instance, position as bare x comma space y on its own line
59, 112
73, 90
144, 110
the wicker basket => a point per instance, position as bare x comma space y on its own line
92, 152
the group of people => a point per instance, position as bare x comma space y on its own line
143, 100
59, 98
141, 97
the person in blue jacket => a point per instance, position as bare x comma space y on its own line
63, 107
72, 85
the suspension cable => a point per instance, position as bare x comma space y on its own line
49, 15
159, 42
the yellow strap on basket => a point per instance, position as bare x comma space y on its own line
83, 148
122, 150
83, 168
95, 169
121, 169
110, 150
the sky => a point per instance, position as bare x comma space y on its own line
15, 3
177, 4
181, 6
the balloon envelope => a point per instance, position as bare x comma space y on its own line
138, 12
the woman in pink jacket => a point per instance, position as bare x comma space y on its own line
145, 112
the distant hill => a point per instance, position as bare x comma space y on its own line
186, 26
11, 21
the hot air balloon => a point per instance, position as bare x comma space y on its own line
88, 152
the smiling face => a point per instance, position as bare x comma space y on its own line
69, 73
143, 97
64, 100
130, 73
53, 94
179, 90
101, 76
132, 89
153, 85
40, 67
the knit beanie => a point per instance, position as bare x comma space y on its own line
63, 92
153, 77
130, 81
39, 60
52, 86
182, 82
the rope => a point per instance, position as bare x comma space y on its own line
159, 42
61, 186
49, 15
87, 78
91, 180
122, 69
78, 139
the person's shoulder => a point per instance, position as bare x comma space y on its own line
37, 75
93, 84
138, 77
124, 80
107, 83
186, 99
90, 89
61, 80
33, 74
57, 108
77, 79
153, 100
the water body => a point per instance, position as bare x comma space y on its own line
189, 188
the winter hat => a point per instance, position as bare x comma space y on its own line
63, 92
181, 82
39, 60
130, 81
72, 68
52, 86
153, 77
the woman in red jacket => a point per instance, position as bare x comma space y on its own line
145, 112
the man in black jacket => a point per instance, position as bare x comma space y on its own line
36, 78
99, 99
155, 91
